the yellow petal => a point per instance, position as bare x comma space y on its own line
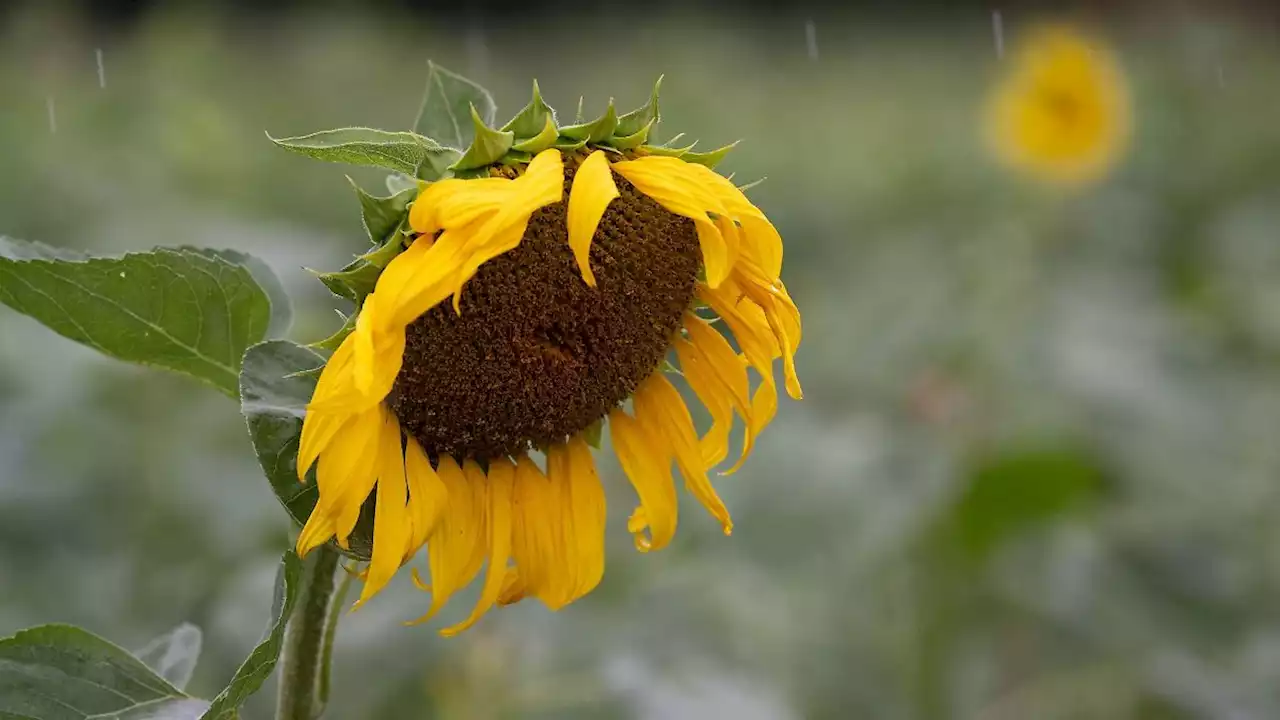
713, 369
593, 189
454, 202
542, 184
647, 463
537, 519
428, 497
761, 241
411, 284
660, 408
671, 185
586, 503
500, 480
392, 526
756, 339
458, 539
361, 371
318, 429
343, 478
562, 572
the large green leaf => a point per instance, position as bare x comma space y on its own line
281, 305
60, 672
174, 655
274, 391
445, 114
183, 310
262, 661
1009, 492
404, 152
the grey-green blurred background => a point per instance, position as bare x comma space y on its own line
1036, 473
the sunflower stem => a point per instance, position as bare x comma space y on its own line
302, 669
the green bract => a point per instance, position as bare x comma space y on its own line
454, 134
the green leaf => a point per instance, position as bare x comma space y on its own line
541, 141
281, 304
60, 672
262, 661
191, 312
274, 392
1013, 491
486, 148
382, 216
404, 152
174, 655
596, 130
533, 119
641, 118
445, 105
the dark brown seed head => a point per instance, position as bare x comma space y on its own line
537, 355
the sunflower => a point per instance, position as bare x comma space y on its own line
1062, 113
539, 293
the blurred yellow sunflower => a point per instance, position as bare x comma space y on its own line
1062, 113
536, 297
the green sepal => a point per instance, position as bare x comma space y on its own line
382, 216
436, 163
578, 117
634, 140
568, 144
543, 140
516, 157
404, 152
710, 159
753, 183
667, 151
488, 146
533, 119
596, 130
471, 174
594, 433
668, 367
357, 279
642, 117
332, 342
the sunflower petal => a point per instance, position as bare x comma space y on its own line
537, 516
660, 408
672, 186
593, 189
428, 497
458, 540
500, 480
392, 526
588, 507
647, 462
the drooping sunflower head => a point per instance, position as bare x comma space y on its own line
547, 282
1062, 112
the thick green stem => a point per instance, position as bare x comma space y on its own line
302, 667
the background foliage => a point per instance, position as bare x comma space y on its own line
1033, 475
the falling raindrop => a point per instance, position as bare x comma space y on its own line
102, 70
811, 38
997, 31
53, 115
